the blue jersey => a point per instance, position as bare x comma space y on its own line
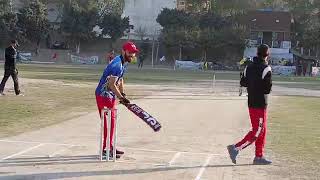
114, 69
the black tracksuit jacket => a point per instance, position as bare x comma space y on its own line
257, 78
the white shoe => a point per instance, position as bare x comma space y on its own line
20, 94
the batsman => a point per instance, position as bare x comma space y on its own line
111, 86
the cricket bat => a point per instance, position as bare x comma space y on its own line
146, 117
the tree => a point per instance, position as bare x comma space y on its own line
115, 26
5, 6
8, 22
180, 30
144, 49
33, 22
111, 7
232, 7
206, 33
198, 6
213, 21
78, 20
173, 18
274, 4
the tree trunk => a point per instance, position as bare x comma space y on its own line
180, 53
38, 47
78, 48
205, 55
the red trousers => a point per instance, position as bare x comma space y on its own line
258, 133
109, 103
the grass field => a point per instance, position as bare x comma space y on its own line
92, 73
294, 132
45, 103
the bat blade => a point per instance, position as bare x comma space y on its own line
146, 117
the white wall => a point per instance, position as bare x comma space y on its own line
275, 53
143, 13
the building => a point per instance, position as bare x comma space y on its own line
272, 28
143, 15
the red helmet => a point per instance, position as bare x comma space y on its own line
130, 47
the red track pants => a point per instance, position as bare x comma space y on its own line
258, 133
109, 103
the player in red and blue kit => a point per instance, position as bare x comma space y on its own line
111, 86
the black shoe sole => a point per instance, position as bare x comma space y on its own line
230, 150
261, 164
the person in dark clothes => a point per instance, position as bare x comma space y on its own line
257, 79
10, 68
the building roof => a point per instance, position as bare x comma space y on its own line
279, 21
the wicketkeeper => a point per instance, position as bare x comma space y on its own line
257, 79
111, 86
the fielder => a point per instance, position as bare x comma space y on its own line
111, 85
257, 79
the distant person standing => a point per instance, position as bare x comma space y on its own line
110, 56
140, 62
10, 68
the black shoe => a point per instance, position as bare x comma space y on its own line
119, 152
261, 161
233, 153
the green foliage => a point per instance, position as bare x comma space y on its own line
33, 22
213, 21
81, 17
232, 7
173, 18
144, 49
8, 28
111, 7
115, 26
5, 6
200, 33
78, 21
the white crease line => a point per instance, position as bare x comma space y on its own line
169, 151
174, 158
21, 152
203, 167
137, 149
59, 151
